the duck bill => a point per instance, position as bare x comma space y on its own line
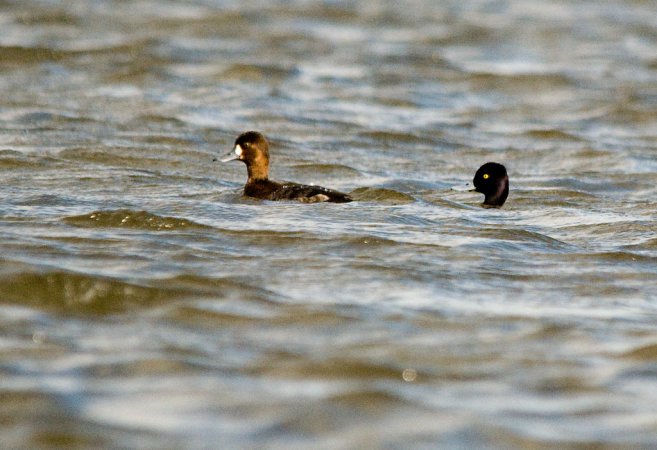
467, 187
230, 156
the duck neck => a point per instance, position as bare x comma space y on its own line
497, 198
257, 173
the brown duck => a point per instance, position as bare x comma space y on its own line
252, 148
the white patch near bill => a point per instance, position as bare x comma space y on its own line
238, 150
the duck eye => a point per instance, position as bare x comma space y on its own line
486, 176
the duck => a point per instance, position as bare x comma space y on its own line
252, 148
492, 180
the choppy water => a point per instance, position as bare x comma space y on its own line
146, 304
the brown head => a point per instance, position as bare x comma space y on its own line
252, 148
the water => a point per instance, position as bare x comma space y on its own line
146, 304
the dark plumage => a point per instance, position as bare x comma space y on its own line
252, 148
492, 180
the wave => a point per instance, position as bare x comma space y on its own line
71, 292
336, 170
126, 218
372, 194
63, 291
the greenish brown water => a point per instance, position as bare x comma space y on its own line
146, 304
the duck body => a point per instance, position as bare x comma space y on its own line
272, 190
252, 148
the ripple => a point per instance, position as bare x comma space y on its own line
394, 138
539, 240
26, 55
372, 194
12, 159
126, 218
257, 72
78, 293
333, 170
646, 352
552, 134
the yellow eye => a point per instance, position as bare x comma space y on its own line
486, 176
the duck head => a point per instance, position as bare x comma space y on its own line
252, 148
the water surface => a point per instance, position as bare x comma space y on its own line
147, 304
